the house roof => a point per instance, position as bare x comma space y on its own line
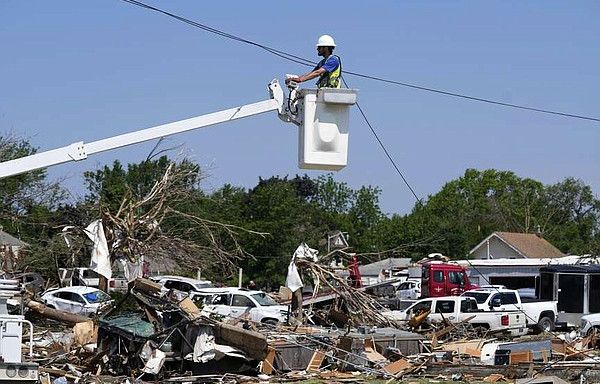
528, 245
6, 239
375, 268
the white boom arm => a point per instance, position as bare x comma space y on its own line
321, 115
80, 150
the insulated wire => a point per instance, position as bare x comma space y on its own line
385, 149
286, 56
473, 98
306, 62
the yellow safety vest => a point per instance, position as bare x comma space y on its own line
330, 79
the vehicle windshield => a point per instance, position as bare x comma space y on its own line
203, 285
480, 297
96, 297
263, 299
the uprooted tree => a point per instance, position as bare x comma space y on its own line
151, 211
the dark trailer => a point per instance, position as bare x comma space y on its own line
575, 287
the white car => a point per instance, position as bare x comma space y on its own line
409, 290
589, 324
80, 300
182, 284
235, 302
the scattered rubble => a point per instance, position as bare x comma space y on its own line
152, 336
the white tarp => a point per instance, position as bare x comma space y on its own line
204, 348
132, 270
100, 256
305, 252
154, 358
293, 280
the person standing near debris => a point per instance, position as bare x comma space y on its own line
329, 70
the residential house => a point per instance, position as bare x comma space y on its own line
511, 245
9, 249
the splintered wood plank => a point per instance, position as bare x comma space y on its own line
315, 361
267, 364
371, 352
397, 366
521, 357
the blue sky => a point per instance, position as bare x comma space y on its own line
85, 70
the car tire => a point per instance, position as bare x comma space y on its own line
545, 324
591, 331
50, 306
270, 322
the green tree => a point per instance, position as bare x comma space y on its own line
22, 193
278, 206
109, 185
571, 216
480, 202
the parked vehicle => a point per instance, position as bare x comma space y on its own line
444, 279
185, 285
31, 281
590, 324
80, 300
12, 367
118, 284
458, 308
409, 290
235, 302
493, 286
87, 277
541, 315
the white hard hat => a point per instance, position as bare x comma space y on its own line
325, 41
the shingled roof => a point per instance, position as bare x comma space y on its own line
529, 245
6, 239
375, 268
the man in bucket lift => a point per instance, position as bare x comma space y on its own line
328, 70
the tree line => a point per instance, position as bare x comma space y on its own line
260, 227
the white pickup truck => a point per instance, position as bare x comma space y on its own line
540, 315
459, 308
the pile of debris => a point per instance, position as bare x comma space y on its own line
152, 335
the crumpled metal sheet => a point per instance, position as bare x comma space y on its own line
130, 323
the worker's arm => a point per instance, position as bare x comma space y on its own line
310, 75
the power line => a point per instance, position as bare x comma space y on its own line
303, 61
286, 56
473, 97
385, 149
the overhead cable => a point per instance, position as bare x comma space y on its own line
286, 56
307, 62
387, 153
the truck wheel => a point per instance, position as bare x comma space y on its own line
270, 321
545, 324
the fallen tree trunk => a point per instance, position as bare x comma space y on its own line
55, 314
